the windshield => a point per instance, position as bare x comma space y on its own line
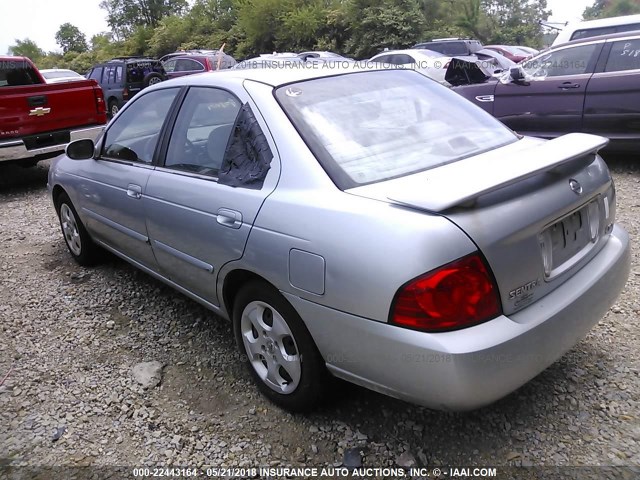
367, 127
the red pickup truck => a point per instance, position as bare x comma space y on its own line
38, 120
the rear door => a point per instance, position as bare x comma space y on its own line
197, 220
551, 104
612, 105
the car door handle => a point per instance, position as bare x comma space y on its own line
134, 191
567, 85
229, 218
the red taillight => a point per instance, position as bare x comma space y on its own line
457, 295
125, 94
100, 105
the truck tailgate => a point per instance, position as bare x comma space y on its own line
32, 109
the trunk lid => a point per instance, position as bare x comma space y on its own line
537, 210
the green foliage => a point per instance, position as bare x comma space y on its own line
515, 22
375, 25
124, 16
26, 48
611, 8
71, 39
359, 28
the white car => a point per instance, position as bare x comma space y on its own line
59, 75
432, 64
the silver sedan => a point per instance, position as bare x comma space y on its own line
370, 225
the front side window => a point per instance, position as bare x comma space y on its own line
202, 130
624, 55
368, 127
133, 136
567, 61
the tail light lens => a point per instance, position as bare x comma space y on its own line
125, 94
99, 95
457, 295
446, 65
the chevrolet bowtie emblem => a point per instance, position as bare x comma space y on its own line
39, 112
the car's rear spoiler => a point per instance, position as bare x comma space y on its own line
461, 182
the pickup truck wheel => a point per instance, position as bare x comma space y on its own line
113, 108
78, 241
277, 348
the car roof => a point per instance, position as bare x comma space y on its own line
275, 77
610, 36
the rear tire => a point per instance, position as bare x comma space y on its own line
79, 243
277, 348
151, 79
113, 108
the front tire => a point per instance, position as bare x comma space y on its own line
279, 351
78, 241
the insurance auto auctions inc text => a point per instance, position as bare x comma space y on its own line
376, 472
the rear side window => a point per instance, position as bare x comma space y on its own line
624, 55
96, 74
136, 71
368, 127
592, 32
17, 73
202, 130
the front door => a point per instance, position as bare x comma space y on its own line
550, 102
197, 221
114, 184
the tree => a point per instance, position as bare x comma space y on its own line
123, 16
515, 22
27, 48
375, 25
611, 8
71, 39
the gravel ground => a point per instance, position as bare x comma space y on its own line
69, 337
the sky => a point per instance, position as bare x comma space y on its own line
39, 20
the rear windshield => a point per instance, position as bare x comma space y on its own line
368, 127
60, 74
15, 73
447, 48
136, 71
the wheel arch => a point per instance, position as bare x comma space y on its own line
233, 282
56, 192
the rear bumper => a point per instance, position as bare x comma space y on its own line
473, 367
15, 149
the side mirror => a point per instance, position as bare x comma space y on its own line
516, 74
80, 149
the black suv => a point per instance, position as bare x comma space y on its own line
451, 47
121, 78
